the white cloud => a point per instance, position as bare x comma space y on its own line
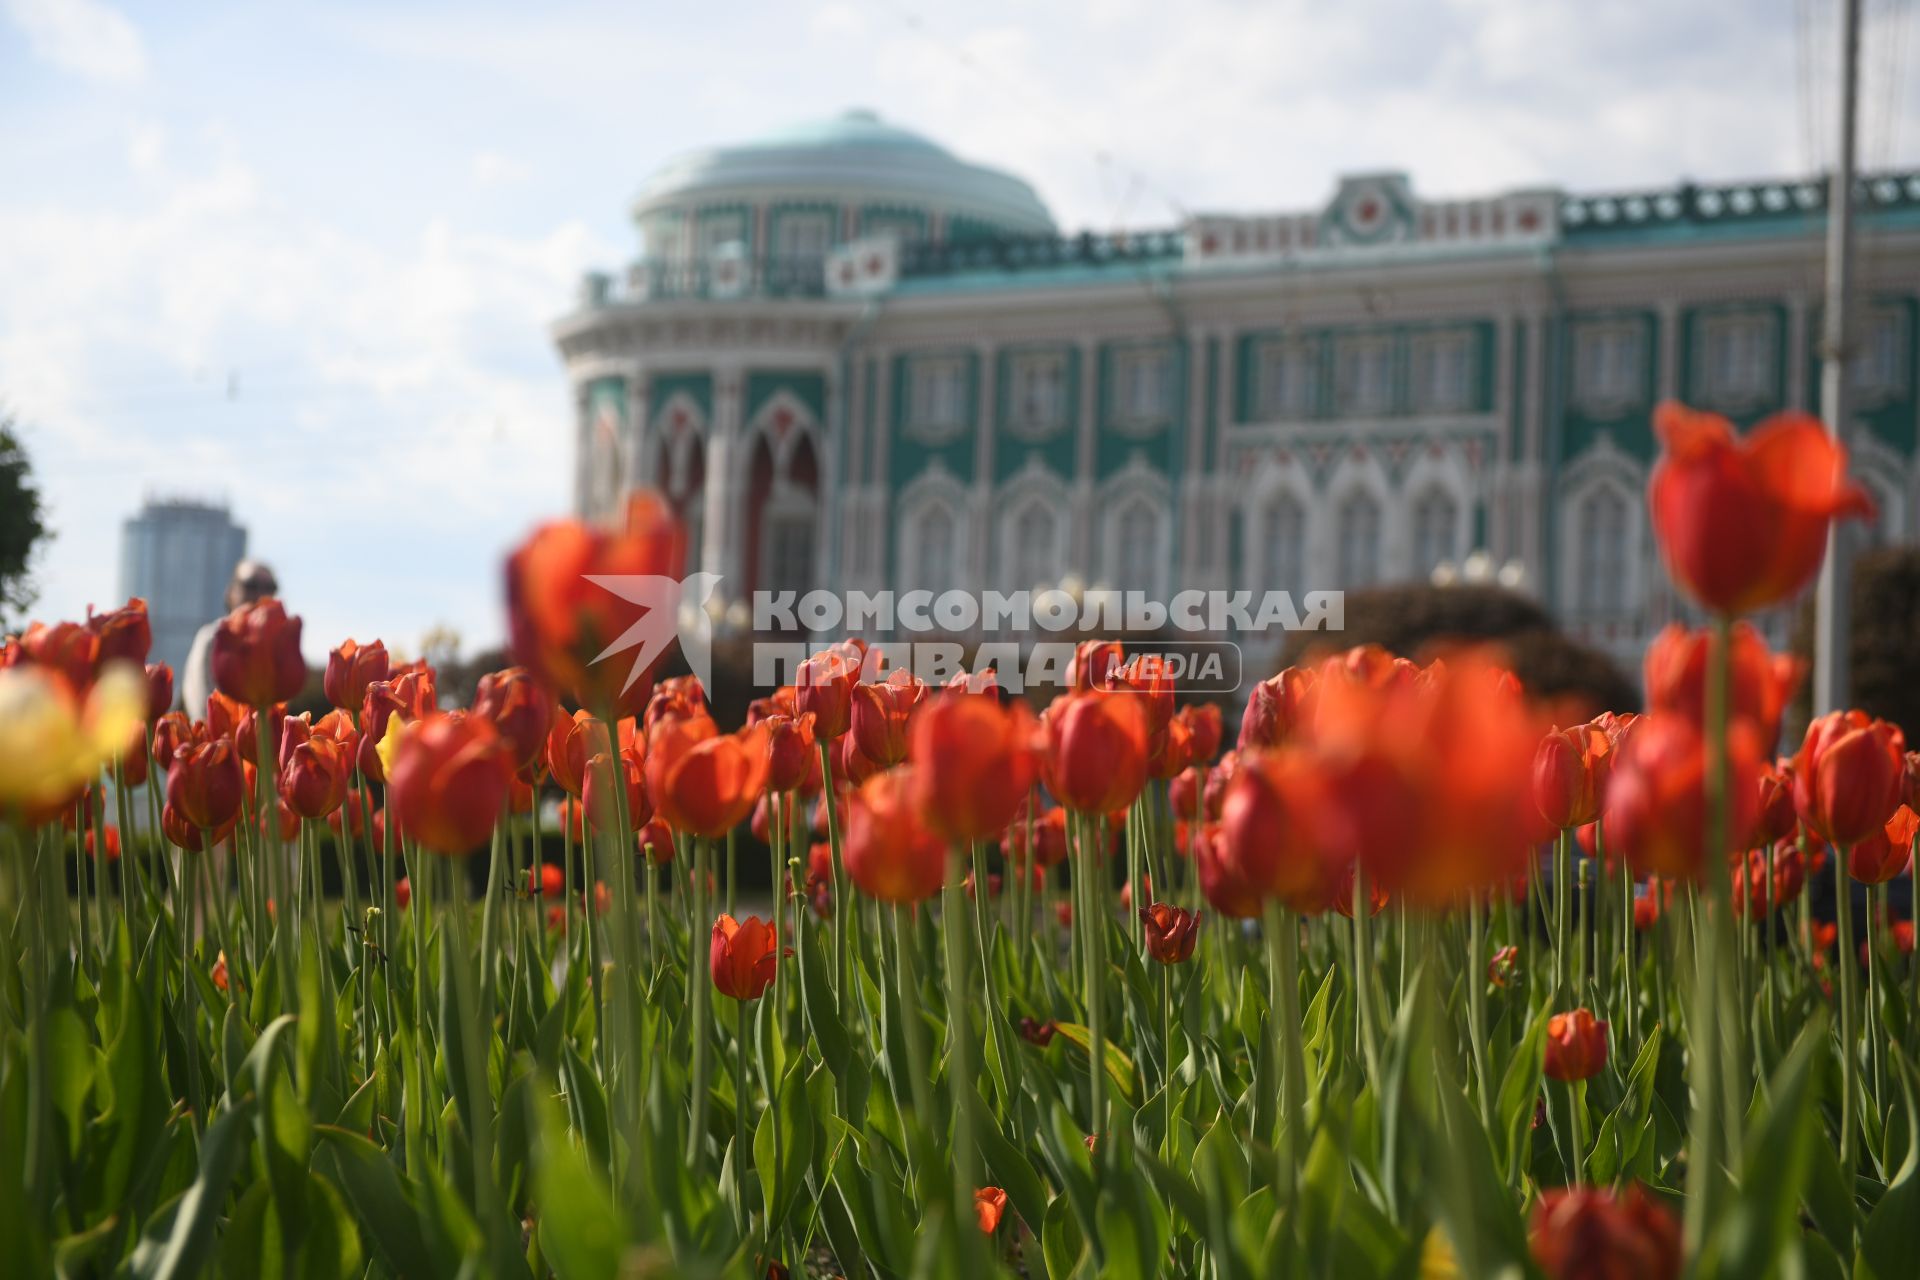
491, 169
86, 37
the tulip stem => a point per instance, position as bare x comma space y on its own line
1713, 1135
1562, 915
1477, 1003
1845, 962
1283, 955
913, 1031
1093, 937
1362, 971
960, 1059
742, 1148
697, 1010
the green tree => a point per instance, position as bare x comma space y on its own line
22, 525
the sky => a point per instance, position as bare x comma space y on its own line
304, 258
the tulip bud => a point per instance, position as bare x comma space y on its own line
1576, 1045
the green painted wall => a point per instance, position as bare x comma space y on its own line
910, 454
1630, 425
806, 385
697, 387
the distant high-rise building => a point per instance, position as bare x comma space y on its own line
178, 556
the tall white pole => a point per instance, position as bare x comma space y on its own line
1833, 627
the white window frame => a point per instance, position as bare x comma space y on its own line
936, 412
1596, 594
1609, 365
1376, 570
1136, 371
1295, 365
1449, 538
1431, 353
1023, 369
784, 226
792, 509
712, 230
1725, 380
1355, 394
1283, 570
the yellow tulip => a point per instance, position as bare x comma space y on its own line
51, 744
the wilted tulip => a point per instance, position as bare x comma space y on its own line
1576, 1045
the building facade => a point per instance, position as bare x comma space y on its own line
178, 556
851, 359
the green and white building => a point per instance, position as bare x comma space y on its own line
854, 360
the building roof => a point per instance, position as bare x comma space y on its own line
856, 154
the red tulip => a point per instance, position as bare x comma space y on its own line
1096, 750
824, 686
743, 956
66, 647
1150, 677
975, 764
1220, 880
402, 892
1850, 775
520, 709
256, 655
656, 841
1504, 965
449, 782
676, 698
409, 694
351, 667
1576, 1045
889, 850
989, 1203
1377, 895
1170, 932
571, 743
1779, 487
1569, 776
1049, 838
1750, 900
882, 712
1883, 855
205, 784
597, 797
1266, 823
1170, 751
704, 782
313, 781
561, 620
112, 842
1760, 682
159, 690
124, 633
1203, 730
1590, 1233
1656, 800
1777, 819
1278, 708
792, 757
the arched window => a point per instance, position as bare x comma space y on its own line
934, 540
1359, 540
1436, 523
1601, 529
1033, 560
1137, 547
1283, 536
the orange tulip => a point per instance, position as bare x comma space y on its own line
1576, 1045
1203, 730
1170, 932
882, 712
1278, 708
1568, 776
1591, 1233
351, 667
989, 1204
1266, 822
1780, 487
976, 764
1849, 776
676, 698
1789, 867
1221, 883
561, 621
1049, 838
743, 956
704, 782
1150, 677
824, 686
1885, 853
792, 757
1093, 664
66, 647
449, 781
889, 850
1656, 800
256, 654
597, 797
410, 694
1760, 682
1096, 750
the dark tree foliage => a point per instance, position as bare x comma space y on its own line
22, 525
1885, 652
1417, 620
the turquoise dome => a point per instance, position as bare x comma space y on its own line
853, 156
